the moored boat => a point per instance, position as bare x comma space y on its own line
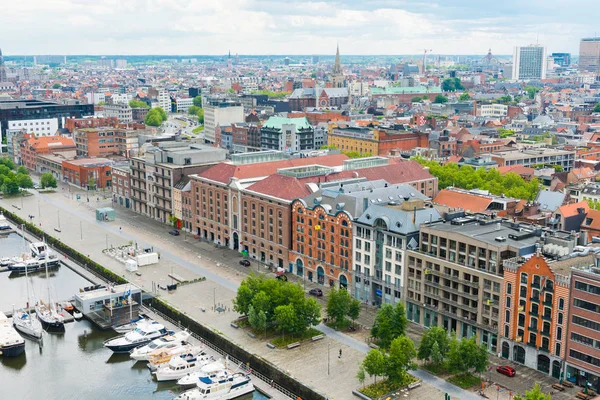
11, 343
226, 388
180, 366
143, 334
165, 343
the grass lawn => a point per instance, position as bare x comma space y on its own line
436, 369
465, 381
384, 387
198, 129
283, 341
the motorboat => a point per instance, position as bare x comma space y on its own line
211, 370
32, 265
41, 250
168, 342
130, 326
161, 357
231, 387
11, 343
77, 315
143, 334
180, 366
6, 261
27, 325
67, 306
49, 317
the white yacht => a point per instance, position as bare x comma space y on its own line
212, 370
27, 325
141, 335
11, 343
131, 325
41, 250
180, 366
231, 387
168, 342
161, 357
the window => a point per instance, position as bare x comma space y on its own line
557, 349
561, 304
508, 302
523, 277
509, 288
560, 318
507, 318
586, 305
587, 287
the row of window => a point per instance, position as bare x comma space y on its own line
586, 305
586, 287
584, 357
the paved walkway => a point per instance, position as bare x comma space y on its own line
189, 258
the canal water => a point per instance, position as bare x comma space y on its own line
73, 364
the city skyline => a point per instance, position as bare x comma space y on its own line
255, 27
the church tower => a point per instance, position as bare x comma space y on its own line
2, 69
337, 77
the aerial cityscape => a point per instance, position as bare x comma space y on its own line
321, 200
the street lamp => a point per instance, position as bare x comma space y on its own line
81, 229
328, 346
215, 299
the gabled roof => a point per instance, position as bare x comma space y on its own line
571, 210
38, 143
549, 200
465, 201
281, 186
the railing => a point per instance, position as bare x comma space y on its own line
263, 378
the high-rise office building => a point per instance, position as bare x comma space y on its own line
529, 62
589, 54
562, 59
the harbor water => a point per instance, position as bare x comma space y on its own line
73, 364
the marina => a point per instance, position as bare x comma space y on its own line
80, 344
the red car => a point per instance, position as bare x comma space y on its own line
506, 370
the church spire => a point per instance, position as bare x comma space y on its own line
337, 68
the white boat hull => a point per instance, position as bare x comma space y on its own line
194, 394
28, 326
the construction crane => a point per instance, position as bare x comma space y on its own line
425, 59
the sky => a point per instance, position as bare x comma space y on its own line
369, 27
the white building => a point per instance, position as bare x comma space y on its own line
121, 64
492, 110
121, 98
95, 98
529, 62
358, 88
222, 113
184, 103
41, 127
164, 100
122, 111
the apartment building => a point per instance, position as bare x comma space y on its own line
222, 113
534, 312
382, 234
540, 155
454, 278
105, 141
88, 173
183, 103
377, 141
122, 112
154, 174
121, 178
583, 340
493, 110
34, 146
287, 134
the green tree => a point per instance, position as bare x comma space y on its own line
416, 99
193, 110
257, 319
464, 97
452, 85
338, 305
286, 318
47, 180
155, 117
22, 170
534, 394
531, 91
597, 107
56, 86
436, 355
400, 359
466, 355
7, 162
390, 322
10, 186
440, 99
201, 116
198, 101
24, 181
243, 300
138, 104
361, 374
162, 113
434, 336
374, 363
354, 310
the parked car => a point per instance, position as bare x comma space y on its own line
315, 292
36, 186
506, 370
245, 263
174, 232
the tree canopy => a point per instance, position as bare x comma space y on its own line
138, 104
271, 94
466, 177
393, 365
452, 85
390, 322
201, 116
465, 355
155, 117
193, 110
282, 304
198, 101
464, 97
531, 91
339, 306
11, 180
435, 345
48, 180
597, 107
534, 394
440, 99
416, 99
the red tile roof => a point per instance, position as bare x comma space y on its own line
223, 172
398, 171
44, 143
281, 186
517, 169
570, 210
465, 201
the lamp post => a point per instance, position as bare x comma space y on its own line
39, 210
81, 229
215, 299
58, 217
328, 346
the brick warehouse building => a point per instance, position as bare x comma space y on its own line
534, 313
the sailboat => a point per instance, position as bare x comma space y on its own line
22, 320
47, 313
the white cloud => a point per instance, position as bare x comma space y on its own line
284, 27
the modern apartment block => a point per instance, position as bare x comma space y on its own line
589, 54
455, 277
287, 134
222, 113
534, 312
529, 62
583, 340
382, 234
121, 111
530, 157
120, 185
105, 141
155, 173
